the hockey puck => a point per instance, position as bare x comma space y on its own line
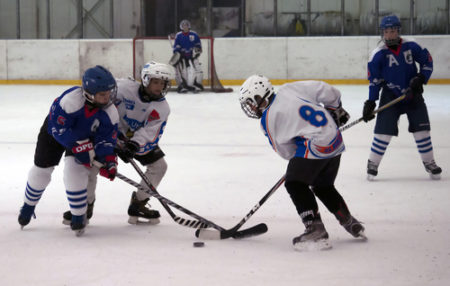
199, 244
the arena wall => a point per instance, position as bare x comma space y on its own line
335, 59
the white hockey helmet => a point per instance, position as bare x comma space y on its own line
185, 23
157, 70
254, 92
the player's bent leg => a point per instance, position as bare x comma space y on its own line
315, 237
335, 203
379, 145
139, 210
76, 180
425, 148
92, 184
38, 180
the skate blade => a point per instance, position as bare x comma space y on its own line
67, 222
79, 232
141, 221
435, 176
362, 236
322, 244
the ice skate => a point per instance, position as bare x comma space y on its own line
433, 169
78, 224
26, 212
314, 238
355, 228
372, 170
182, 89
198, 87
138, 209
67, 216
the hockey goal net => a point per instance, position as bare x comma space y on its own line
159, 49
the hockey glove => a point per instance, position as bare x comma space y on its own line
83, 152
369, 107
339, 115
415, 89
109, 169
175, 59
196, 52
128, 151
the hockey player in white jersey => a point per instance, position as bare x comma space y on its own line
301, 122
143, 113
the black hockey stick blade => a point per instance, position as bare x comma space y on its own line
212, 234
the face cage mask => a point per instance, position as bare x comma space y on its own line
251, 109
392, 42
149, 97
91, 98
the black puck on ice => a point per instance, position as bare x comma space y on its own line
199, 244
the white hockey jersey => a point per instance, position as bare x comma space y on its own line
142, 122
297, 124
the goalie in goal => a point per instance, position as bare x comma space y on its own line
186, 51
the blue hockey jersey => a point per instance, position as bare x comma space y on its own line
394, 69
185, 43
70, 120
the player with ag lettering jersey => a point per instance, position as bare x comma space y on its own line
82, 123
392, 69
301, 122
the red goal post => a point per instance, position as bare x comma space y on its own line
159, 49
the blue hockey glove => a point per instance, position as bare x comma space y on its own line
83, 152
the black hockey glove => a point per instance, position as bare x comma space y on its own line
415, 89
128, 151
339, 115
416, 84
369, 107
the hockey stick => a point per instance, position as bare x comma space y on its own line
389, 104
177, 219
233, 232
202, 222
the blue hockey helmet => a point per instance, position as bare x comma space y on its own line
97, 79
392, 22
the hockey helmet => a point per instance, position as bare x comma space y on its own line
95, 80
393, 22
185, 23
157, 70
254, 92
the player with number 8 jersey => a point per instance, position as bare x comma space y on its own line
302, 123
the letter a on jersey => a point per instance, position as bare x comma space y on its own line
392, 60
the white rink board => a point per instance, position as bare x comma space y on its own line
235, 58
43, 59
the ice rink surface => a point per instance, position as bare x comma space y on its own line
220, 165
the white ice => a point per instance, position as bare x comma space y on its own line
220, 165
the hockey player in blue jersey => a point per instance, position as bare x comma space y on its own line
392, 69
186, 51
82, 123
143, 114
301, 123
